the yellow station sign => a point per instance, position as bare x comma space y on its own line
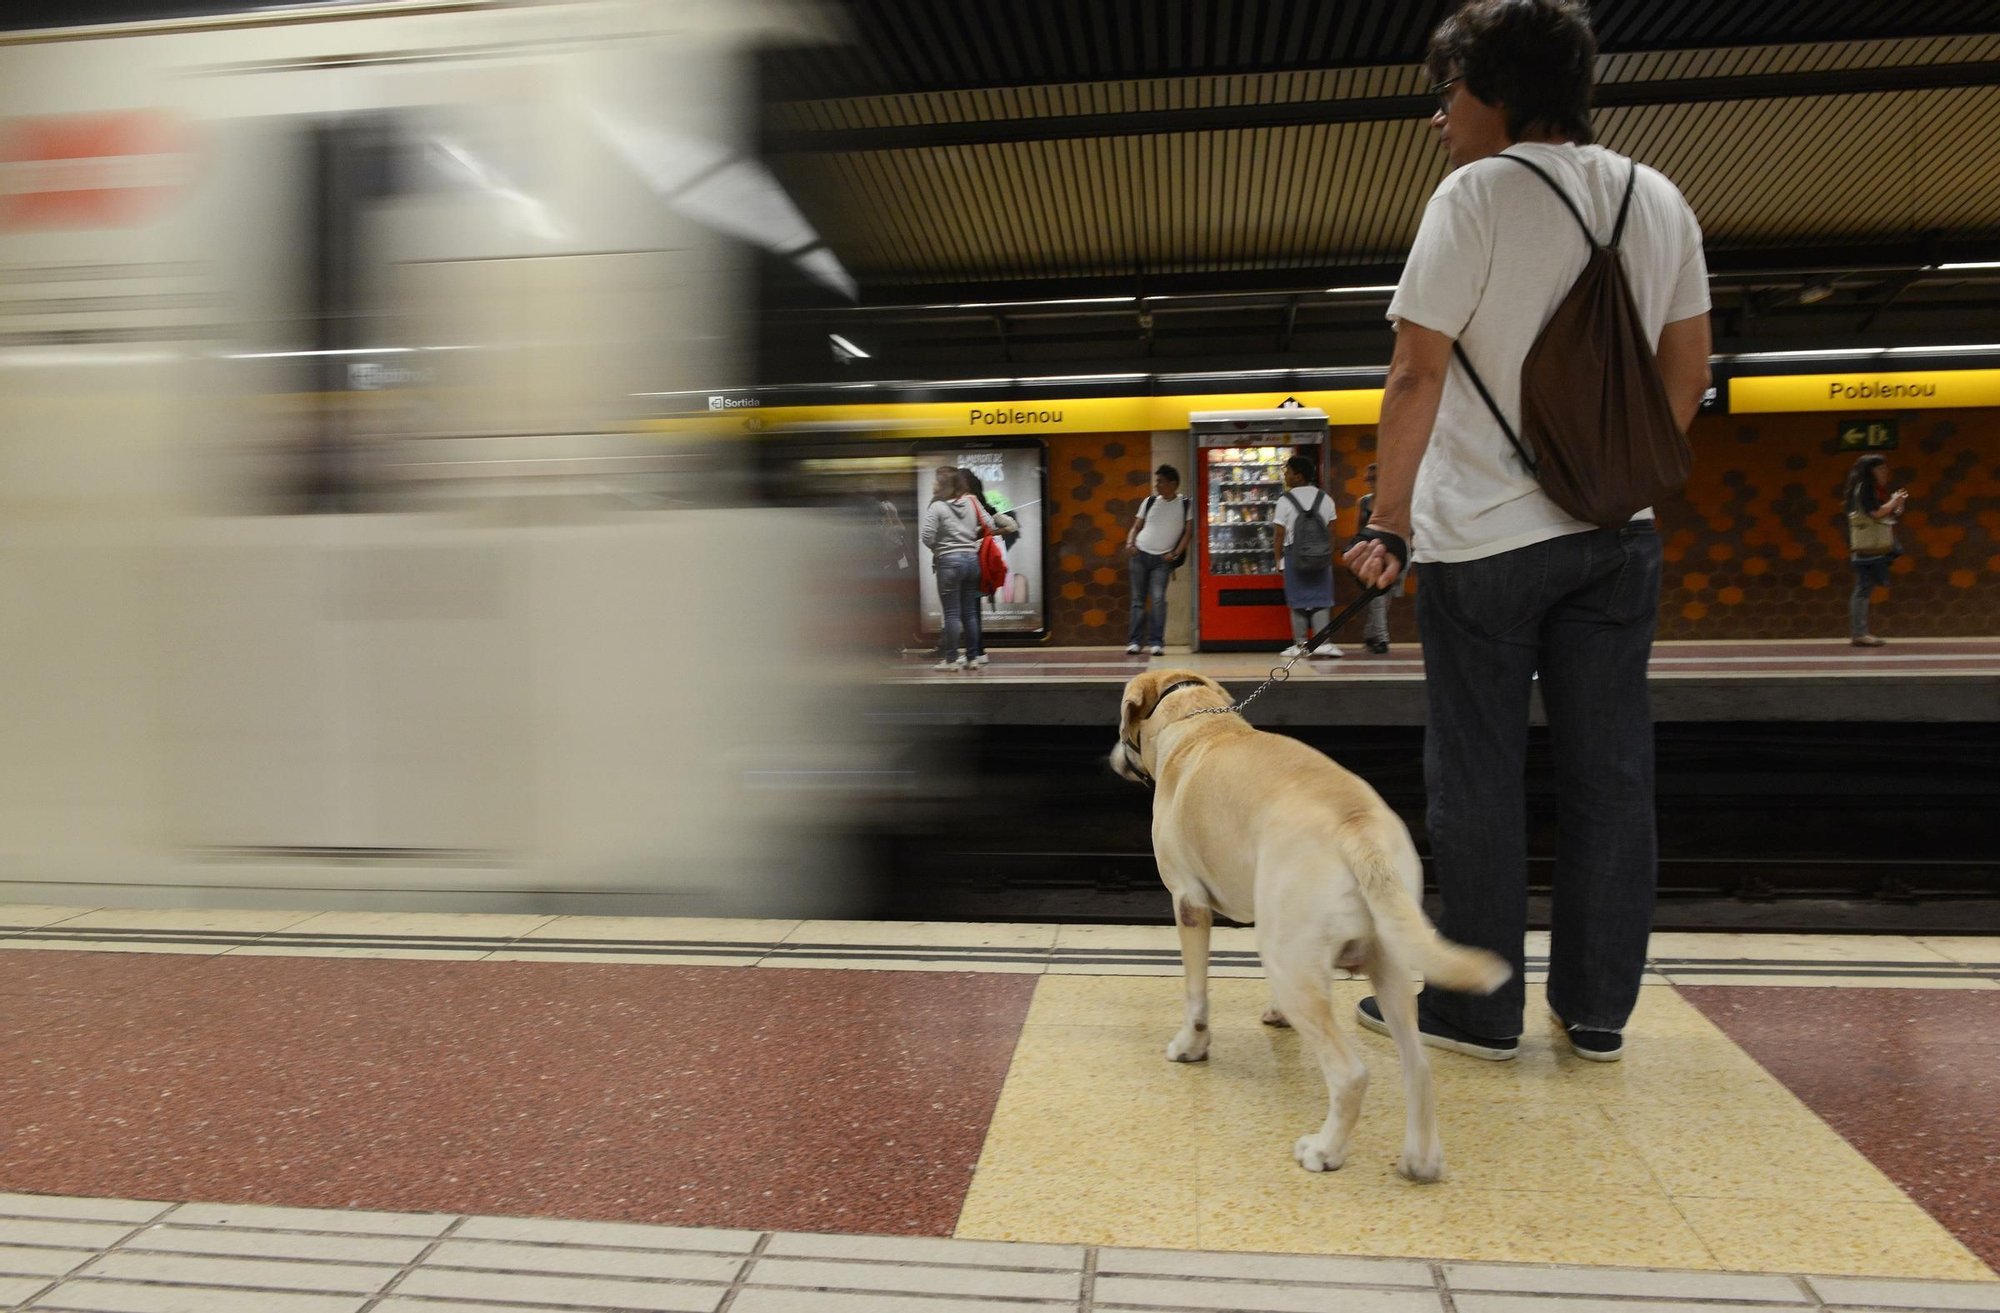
1002, 419
1929, 389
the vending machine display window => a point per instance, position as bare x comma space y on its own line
1241, 465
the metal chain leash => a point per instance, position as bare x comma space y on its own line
1279, 674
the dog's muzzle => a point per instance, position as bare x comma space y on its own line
1134, 767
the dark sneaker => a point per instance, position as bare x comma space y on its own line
1593, 1045
1378, 646
1442, 1034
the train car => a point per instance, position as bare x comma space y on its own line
337, 570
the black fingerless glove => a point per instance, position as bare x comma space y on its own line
1397, 547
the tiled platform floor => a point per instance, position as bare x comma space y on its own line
1816, 1106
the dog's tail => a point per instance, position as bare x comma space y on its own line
1400, 921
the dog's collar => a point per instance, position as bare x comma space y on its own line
1133, 758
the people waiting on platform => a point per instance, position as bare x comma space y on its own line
952, 526
1303, 544
1512, 586
1872, 511
1157, 544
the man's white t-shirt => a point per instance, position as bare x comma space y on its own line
1496, 253
1287, 515
1161, 532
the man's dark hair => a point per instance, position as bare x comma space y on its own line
1167, 472
1536, 57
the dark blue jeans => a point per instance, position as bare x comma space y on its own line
958, 598
1149, 584
1580, 610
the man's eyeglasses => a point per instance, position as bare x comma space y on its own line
1443, 93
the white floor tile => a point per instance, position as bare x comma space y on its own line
1620, 1281
338, 1220
194, 1270
755, 1300
68, 1235
185, 918
618, 1235
1859, 1292
16, 1290
926, 1249
665, 929
575, 1260
33, 1261
79, 1296
1264, 1267
237, 1243
469, 925
589, 1292
1485, 1303
37, 914
924, 934
1260, 1297
57, 1207
911, 1280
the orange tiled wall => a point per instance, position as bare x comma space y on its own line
1756, 548
1096, 482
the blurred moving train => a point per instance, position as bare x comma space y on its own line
335, 568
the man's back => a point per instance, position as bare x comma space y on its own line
1496, 254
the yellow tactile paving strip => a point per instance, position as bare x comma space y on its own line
1686, 1155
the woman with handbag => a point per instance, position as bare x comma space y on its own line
954, 524
1871, 538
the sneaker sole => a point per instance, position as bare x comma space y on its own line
1479, 1051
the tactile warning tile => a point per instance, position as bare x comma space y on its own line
1654, 1161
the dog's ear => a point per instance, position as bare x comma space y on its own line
1139, 699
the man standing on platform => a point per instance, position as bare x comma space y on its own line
1157, 542
1511, 585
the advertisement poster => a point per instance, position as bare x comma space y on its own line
1013, 484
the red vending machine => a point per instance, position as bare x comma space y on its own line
1240, 459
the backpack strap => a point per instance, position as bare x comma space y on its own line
1459, 350
1318, 500
1291, 495
1631, 181
1146, 509
1563, 196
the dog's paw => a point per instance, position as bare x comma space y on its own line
1423, 1168
1315, 1157
1273, 1017
1188, 1046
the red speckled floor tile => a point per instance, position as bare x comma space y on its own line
696, 1096
1911, 1077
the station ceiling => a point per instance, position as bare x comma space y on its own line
1219, 165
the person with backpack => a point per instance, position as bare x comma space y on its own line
1157, 542
1304, 520
953, 525
1552, 343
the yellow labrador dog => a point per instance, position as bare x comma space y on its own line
1260, 827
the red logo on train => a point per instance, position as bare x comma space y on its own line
92, 170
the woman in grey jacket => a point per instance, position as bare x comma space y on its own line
951, 529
